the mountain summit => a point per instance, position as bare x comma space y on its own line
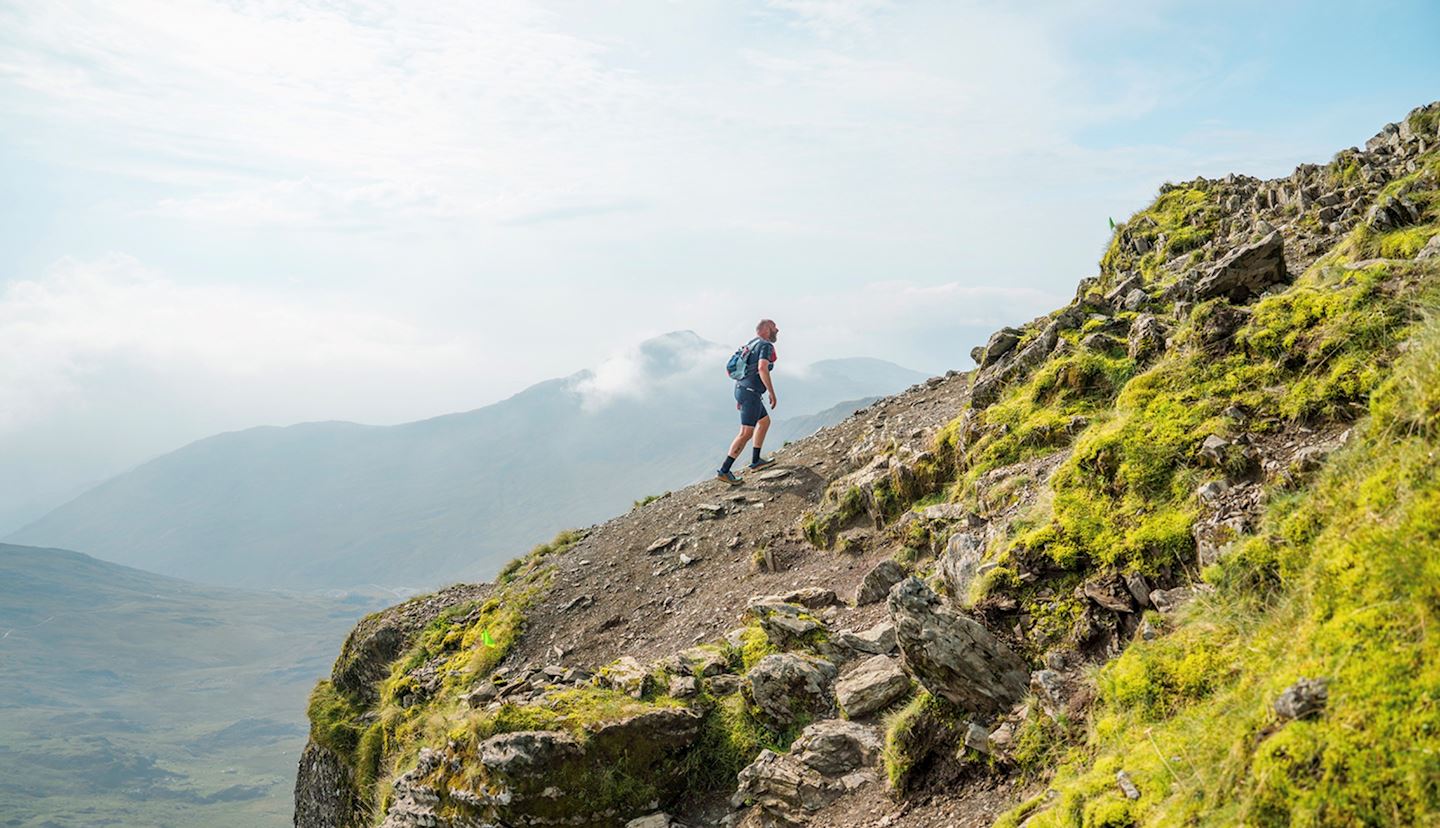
1167, 557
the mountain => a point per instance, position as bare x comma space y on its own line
1168, 556
131, 698
339, 505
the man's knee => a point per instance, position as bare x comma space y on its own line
746, 431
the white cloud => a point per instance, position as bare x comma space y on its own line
65, 334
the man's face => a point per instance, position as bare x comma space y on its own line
772, 332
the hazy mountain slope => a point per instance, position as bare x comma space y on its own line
339, 504
130, 698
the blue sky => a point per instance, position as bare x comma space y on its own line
216, 214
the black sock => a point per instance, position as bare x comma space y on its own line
725, 467
755, 455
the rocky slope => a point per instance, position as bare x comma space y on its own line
1166, 556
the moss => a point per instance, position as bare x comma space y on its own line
731, 737
334, 721
1348, 589
755, 645
921, 740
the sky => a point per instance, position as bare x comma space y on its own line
215, 215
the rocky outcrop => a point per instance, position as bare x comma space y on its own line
830, 758
325, 792
952, 655
1245, 271
381, 637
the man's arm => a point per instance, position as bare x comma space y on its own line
763, 368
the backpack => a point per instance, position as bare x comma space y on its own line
739, 364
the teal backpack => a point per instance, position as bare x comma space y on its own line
739, 364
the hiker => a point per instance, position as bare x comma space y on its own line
750, 368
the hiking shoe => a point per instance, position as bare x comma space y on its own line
727, 477
763, 462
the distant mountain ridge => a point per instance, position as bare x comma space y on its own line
339, 504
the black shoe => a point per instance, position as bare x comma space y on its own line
763, 462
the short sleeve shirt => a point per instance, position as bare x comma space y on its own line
762, 350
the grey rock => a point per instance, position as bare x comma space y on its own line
1001, 343
960, 561
659, 820
874, 685
977, 738
1245, 271
1168, 600
710, 511
782, 621
828, 759
1127, 785
661, 544
878, 640
1134, 300
723, 684
1431, 250
952, 655
1110, 592
683, 687
877, 582
1212, 450
1303, 699
810, 597
784, 685
1147, 337
1212, 491
626, 675
703, 661
1139, 588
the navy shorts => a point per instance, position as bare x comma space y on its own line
752, 408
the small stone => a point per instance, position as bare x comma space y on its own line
1212, 491
1127, 785
1303, 699
686, 560
662, 544
1167, 600
710, 511
977, 738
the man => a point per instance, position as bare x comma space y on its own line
754, 420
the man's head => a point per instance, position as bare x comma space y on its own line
767, 330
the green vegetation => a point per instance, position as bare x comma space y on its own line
648, 499
1184, 218
1340, 583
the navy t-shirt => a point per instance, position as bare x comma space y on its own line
762, 350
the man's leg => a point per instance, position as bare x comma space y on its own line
760, 429
737, 446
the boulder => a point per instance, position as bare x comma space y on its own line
810, 597
878, 581
1001, 343
785, 685
952, 655
874, 685
528, 776
1245, 271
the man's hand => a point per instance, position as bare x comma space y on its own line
772, 399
